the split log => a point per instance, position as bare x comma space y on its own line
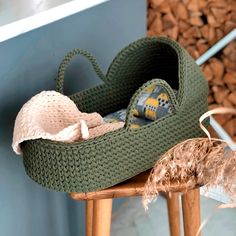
197, 25
230, 78
220, 93
232, 97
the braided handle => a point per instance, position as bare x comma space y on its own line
61, 71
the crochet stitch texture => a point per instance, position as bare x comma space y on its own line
103, 161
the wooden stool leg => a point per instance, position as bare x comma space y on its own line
89, 218
173, 213
102, 211
191, 212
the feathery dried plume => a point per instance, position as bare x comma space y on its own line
200, 160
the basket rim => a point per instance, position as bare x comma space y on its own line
142, 42
180, 52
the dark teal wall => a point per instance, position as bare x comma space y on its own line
28, 64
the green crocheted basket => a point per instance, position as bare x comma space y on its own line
109, 159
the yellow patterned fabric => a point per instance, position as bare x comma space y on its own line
154, 103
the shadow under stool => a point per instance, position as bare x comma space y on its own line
99, 206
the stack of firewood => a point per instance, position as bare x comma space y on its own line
197, 25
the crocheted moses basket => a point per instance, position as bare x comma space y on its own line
109, 159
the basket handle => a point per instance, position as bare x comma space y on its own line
62, 68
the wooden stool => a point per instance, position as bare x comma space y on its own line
99, 206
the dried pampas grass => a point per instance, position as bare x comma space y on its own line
194, 161
202, 161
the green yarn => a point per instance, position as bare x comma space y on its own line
119, 155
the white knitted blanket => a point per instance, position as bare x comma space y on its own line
51, 115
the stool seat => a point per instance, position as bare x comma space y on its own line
99, 205
129, 188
